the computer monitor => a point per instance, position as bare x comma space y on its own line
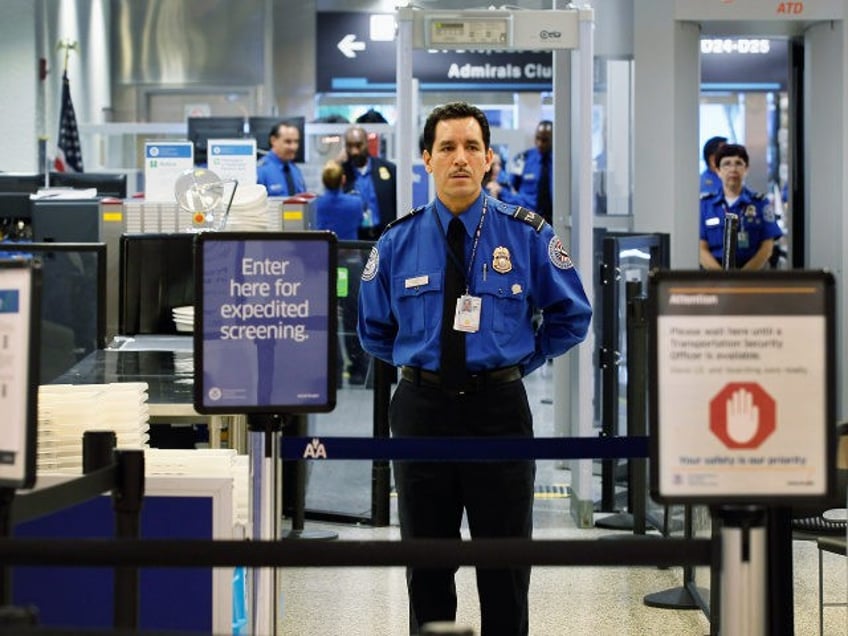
202, 129
73, 301
15, 206
28, 183
260, 129
157, 274
108, 184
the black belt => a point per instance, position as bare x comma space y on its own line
474, 382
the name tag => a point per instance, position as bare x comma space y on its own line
417, 281
713, 221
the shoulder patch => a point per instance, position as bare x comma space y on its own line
558, 256
371, 267
405, 217
536, 221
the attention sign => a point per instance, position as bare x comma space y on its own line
742, 382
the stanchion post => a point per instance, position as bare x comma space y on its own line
743, 570
7, 496
384, 374
263, 435
127, 498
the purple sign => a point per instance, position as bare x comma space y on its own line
265, 329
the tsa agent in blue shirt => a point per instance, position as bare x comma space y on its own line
449, 294
342, 213
758, 227
710, 180
277, 171
374, 180
531, 173
335, 210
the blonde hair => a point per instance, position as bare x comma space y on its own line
332, 175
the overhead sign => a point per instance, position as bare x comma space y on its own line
265, 325
356, 52
742, 381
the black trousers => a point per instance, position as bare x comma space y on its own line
497, 497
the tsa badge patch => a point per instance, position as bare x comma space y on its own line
768, 213
557, 254
370, 269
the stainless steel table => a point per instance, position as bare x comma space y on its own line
166, 364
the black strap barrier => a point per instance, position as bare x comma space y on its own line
462, 448
439, 553
106, 469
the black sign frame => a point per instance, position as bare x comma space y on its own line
206, 240
751, 292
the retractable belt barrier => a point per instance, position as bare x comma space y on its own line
463, 448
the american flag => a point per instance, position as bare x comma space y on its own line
70, 154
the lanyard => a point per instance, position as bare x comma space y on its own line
477, 233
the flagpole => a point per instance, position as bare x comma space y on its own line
69, 155
67, 46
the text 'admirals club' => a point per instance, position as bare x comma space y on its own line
531, 70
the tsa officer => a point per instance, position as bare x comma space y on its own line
277, 171
373, 179
710, 181
758, 228
531, 173
448, 294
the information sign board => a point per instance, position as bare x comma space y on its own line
742, 386
265, 322
164, 162
20, 283
233, 159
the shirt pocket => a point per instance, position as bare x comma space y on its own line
715, 235
419, 300
504, 299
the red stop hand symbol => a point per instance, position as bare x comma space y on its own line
742, 415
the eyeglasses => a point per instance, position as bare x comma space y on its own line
732, 163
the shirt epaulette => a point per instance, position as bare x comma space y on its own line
536, 221
405, 217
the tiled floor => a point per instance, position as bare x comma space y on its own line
563, 600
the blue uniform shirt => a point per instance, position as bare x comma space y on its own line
340, 213
270, 174
364, 185
525, 171
757, 223
516, 270
710, 182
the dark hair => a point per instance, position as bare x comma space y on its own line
283, 123
731, 150
454, 110
710, 148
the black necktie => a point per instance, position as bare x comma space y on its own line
287, 172
452, 366
544, 205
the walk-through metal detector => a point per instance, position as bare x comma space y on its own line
568, 33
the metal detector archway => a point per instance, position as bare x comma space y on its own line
568, 33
